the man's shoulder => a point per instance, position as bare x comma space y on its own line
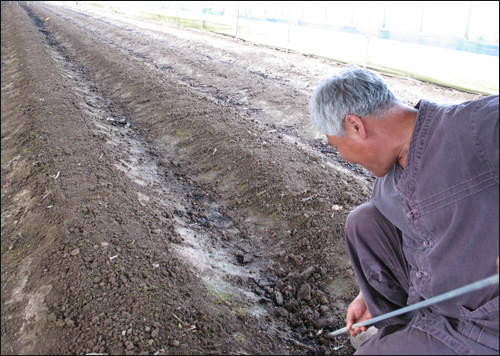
445, 116
490, 102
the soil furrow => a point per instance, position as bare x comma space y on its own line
163, 192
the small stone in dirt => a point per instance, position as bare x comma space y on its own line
279, 298
323, 300
281, 312
305, 292
51, 317
175, 343
296, 259
154, 333
129, 345
244, 258
307, 273
75, 252
325, 322
60, 323
347, 197
324, 309
292, 305
163, 162
248, 257
324, 341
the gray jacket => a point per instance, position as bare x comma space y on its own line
446, 203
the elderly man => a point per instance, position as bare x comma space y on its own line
432, 221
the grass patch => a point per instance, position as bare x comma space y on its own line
182, 134
241, 338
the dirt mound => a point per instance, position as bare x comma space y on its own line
164, 192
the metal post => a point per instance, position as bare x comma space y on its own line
289, 24
385, 13
368, 34
237, 18
468, 22
422, 17
352, 15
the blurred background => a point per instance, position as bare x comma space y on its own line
452, 43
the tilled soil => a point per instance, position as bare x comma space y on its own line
164, 192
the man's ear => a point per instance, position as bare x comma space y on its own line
355, 125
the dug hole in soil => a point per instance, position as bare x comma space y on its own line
164, 191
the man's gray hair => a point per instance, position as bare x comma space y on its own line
356, 91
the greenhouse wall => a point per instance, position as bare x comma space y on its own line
414, 39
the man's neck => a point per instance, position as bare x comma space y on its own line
407, 125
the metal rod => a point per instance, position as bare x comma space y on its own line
489, 281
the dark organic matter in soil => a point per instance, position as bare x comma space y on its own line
164, 191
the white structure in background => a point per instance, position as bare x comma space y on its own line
449, 43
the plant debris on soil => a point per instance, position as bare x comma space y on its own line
164, 191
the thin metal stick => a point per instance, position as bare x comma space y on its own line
489, 281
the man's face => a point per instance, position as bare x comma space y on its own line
361, 152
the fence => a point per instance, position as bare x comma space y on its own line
418, 39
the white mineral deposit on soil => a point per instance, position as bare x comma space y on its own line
206, 216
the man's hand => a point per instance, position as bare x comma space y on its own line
357, 312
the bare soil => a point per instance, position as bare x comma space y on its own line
164, 191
